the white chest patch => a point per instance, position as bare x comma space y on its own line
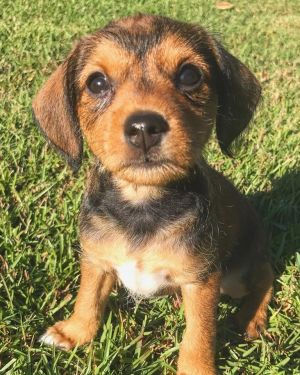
139, 282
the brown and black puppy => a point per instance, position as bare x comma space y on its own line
145, 93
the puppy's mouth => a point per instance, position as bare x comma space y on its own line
148, 162
151, 172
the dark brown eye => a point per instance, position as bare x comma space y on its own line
98, 83
189, 77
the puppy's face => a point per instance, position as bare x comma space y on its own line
145, 92
146, 114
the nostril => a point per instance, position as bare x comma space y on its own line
133, 129
135, 137
154, 129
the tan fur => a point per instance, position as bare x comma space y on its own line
109, 58
163, 55
50, 103
114, 249
95, 287
196, 355
252, 316
135, 193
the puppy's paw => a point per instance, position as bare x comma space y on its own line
68, 333
56, 337
255, 328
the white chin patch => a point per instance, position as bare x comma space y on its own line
141, 283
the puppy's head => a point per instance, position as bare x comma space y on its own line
145, 92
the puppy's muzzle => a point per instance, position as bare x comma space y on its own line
144, 130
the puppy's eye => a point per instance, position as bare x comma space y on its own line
189, 77
98, 83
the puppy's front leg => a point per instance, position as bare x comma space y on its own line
81, 327
197, 350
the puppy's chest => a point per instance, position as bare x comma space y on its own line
160, 264
141, 222
144, 220
152, 246
143, 282
156, 268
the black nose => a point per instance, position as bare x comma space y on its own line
145, 129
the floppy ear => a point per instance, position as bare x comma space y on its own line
55, 113
238, 95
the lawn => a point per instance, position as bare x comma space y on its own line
40, 198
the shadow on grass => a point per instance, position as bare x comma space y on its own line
279, 209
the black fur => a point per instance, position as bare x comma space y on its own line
140, 41
188, 196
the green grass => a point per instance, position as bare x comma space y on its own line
40, 199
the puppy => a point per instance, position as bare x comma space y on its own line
145, 92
